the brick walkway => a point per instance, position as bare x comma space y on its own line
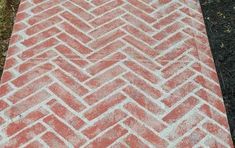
111, 73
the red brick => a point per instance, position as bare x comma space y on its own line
6, 76
145, 117
168, 31
141, 46
104, 40
105, 77
103, 106
67, 97
19, 26
66, 115
19, 108
37, 49
138, 23
99, 2
39, 37
146, 74
31, 63
146, 87
4, 90
106, 28
104, 91
15, 38
72, 70
18, 125
141, 6
43, 25
118, 145
141, 59
34, 144
3, 105
2, 120
106, 63
109, 137
64, 131
178, 79
45, 14
140, 35
143, 100
70, 83
10, 62
21, 16
75, 33
180, 110
29, 89
160, 3
213, 87
211, 142
72, 56
146, 133
107, 17
203, 58
212, 100
44, 6
85, 5
76, 21
184, 126
196, 136
37, 1
194, 24
133, 141
12, 50
104, 123
179, 94
200, 38
52, 140
31, 75
24, 5
75, 44
79, 11
165, 10
206, 71
176, 38
167, 20
108, 6
218, 132
215, 115
25, 136
107, 50
138, 13
173, 68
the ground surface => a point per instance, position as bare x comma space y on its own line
219, 17
111, 73
7, 15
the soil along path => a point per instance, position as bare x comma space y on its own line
111, 73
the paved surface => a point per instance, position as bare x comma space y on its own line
111, 73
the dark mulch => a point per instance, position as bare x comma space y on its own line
7, 15
219, 16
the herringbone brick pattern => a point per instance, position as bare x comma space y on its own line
111, 73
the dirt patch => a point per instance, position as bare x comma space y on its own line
8, 9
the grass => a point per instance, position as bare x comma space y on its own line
8, 9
